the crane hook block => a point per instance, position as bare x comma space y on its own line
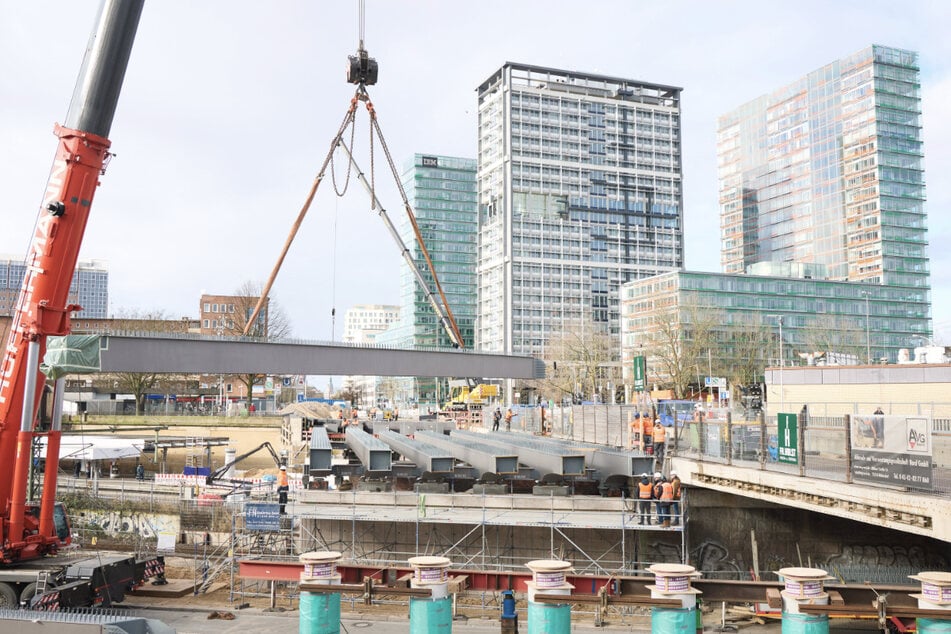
362, 69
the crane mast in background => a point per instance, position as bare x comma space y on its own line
42, 310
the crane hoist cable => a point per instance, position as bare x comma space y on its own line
363, 71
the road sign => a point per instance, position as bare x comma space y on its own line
788, 439
640, 374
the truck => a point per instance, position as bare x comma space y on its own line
465, 394
35, 534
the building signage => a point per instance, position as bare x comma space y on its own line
894, 450
640, 374
262, 517
430, 161
787, 441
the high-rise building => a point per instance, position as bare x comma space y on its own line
89, 287
442, 192
362, 323
828, 170
579, 192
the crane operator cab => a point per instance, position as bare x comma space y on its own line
60, 521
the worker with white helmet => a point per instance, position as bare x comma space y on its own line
282, 487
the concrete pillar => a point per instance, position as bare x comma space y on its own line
320, 612
548, 577
803, 586
431, 615
935, 595
672, 581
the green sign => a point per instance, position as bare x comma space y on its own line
788, 441
640, 374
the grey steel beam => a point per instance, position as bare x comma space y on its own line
483, 456
374, 454
426, 456
606, 460
410, 427
544, 458
216, 355
321, 453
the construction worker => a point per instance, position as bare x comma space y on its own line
496, 418
645, 493
660, 436
664, 493
634, 431
508, 419
282, 488
675, 504
647, 434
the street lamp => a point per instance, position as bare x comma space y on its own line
868, 346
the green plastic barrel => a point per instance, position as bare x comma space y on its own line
673, 620
934, 626
549, 618
805, 623
319, 613
430, 616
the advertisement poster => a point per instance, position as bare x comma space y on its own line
892, 450
787, 439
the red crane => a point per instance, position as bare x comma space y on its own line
27, 531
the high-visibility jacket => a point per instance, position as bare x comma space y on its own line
644, 491
660, 433
282, 479
666, 491
648, 427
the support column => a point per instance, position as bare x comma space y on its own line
935, 595
672, 581
548, 577
320, 612
432, 615
804, 586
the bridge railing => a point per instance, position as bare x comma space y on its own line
823, 443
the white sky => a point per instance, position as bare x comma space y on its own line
228, 109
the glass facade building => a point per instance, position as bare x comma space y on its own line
865, 322
580, 190
89, 287
442, 193
828, 170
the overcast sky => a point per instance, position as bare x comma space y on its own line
228, 109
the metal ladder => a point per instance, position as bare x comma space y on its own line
42, 581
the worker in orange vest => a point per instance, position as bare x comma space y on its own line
675, 485
282, 487
664, 492
647, 434
645, 493
660, 436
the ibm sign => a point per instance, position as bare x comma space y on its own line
430, 161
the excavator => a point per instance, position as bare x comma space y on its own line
32, 533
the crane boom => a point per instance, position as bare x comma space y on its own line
42, 308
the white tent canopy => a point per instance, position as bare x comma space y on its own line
96, 447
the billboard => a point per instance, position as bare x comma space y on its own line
893, 450
640, 374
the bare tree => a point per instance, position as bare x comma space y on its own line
141, 384
679, 341
748, 341
271, 323
580, 361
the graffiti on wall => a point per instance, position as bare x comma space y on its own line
144, 525
912, 557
